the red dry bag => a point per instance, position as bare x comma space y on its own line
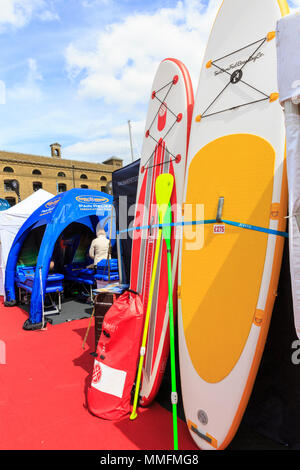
115, 366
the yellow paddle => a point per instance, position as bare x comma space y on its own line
163, 191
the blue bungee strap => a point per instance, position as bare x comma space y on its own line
269, 231
174, 224
208, 222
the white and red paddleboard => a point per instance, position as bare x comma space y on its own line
164, 150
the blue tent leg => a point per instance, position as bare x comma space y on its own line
10, 303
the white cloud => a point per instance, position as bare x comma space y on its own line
92, 3
18, 13
48, 15
104, 147
294, 5
120, 67
30, 88
117, 143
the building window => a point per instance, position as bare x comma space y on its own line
83, 177
11, 201
8, 169
84, 186
62, 187
103, 189
61, 174
37, 185
103, 178
8, 185
36, 172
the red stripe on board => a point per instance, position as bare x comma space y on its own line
151, 240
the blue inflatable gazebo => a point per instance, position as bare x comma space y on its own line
84, 206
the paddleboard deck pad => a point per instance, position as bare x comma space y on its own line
236, 172
164, 150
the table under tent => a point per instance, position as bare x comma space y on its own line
50, 256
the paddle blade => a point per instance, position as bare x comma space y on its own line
167, 229
163, 192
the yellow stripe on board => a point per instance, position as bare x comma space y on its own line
221, 282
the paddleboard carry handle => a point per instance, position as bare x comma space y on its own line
220, 210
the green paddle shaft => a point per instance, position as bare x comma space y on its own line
166, 231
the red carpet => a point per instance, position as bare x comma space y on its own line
43, 395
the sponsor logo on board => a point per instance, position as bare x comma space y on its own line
162, 117
240, 63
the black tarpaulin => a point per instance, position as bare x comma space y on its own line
124, 183
274, 406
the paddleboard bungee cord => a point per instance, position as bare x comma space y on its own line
237, 76
211, 222
163, 106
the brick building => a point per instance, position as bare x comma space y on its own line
54, 174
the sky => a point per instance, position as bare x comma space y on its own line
75, 71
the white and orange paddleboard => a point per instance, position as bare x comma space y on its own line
164, 151
236, 172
